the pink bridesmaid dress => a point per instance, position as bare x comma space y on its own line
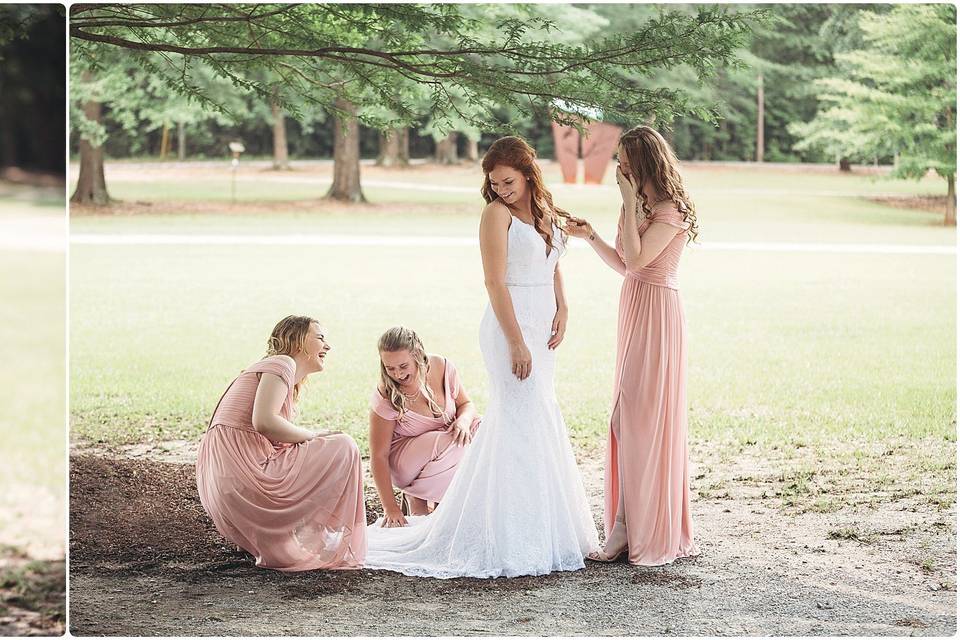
423, 454
294, 507
647, 448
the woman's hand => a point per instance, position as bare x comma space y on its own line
521, 360
558, 329
322, 433
579, 228
628, 190
393, 517
461, 433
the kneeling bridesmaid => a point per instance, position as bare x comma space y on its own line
421, 421
291, 497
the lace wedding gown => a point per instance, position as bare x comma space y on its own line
516, 505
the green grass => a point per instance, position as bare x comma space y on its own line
32, 348
790, 349
782, 347
733, 205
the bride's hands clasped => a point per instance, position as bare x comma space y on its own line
521, 360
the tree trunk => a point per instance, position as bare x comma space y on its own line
473, 154
165, 141
91, 185
181, 142
346, 156
760, 142
281, 156
446, 152
845, 165
951, 218
394, 148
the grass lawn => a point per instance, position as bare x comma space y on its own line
786, 350
32, 344
734, 204
782, 347
32, 411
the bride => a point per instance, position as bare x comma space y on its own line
516, 505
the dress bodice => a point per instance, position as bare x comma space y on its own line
663, 270
528, 264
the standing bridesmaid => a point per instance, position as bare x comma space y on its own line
291, 497
647, 497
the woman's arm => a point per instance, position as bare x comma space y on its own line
583, 229
466, 414
494, 226
267, 403
637, 252
381, 433
559, 326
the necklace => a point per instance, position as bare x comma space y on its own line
411, 397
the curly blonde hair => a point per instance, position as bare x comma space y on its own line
401, 339
514, 152
652, 160
287, 339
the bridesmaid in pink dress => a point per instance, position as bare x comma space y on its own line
291, 497
647, 496
421, 421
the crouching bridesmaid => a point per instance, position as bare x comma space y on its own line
290, 496
421, 421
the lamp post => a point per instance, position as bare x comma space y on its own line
236, 148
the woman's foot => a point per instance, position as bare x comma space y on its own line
416, 506
616, 544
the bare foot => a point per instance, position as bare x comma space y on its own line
616, 544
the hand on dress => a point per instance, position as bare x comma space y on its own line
322, 433
558, 329
628, 190
461, 433
393, 517
579, 228
521, 360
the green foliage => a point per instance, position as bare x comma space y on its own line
897, 94
468, 62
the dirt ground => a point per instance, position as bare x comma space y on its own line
32, 569
790, 545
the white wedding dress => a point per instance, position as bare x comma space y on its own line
516, 505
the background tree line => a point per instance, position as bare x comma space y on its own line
792, 88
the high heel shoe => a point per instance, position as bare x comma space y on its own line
603, 555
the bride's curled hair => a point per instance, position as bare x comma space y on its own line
516, 153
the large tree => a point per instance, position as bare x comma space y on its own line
897, 96
348, 56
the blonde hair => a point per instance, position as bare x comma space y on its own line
514, 152
287, 339
652, 160
401, 339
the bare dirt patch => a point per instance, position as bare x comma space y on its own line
32, 595
937, 204
145, 560
32, 572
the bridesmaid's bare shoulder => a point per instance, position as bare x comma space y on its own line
284, 359
436, 363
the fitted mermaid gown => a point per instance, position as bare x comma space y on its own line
516, 505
